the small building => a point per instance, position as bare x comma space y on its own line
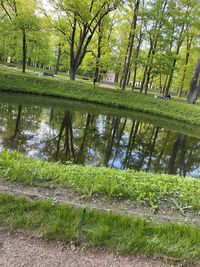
137, 84
109, 78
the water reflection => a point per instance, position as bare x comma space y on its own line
63, 134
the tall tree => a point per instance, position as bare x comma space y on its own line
23, 18
130, 44
195, 84
84, 18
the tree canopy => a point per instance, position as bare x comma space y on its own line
146, 43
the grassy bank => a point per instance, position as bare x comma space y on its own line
101, 229
151, 189
85, 92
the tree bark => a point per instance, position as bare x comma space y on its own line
97, 67
72, 73
24, 50
146, 69
187, 56
132, 38
58, 59
195, 84
136, 58
172, 70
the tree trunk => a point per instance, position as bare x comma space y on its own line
24, 49
181, 38
116, 77
187, 56
132, 38
194, 86
29, 62
97, 68
146, 69
172, 71
72, 73
136, 58
125, 60
58, 59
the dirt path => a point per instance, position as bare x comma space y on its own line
105, 85
23, 250
66, 196
19, 249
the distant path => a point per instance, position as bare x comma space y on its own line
102, 203
109, 86
22, 249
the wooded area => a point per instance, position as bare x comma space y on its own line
151, 43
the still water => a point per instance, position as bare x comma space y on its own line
58, 130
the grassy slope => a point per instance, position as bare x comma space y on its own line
120, 233
140, 186
85, 92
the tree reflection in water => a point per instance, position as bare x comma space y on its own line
63, 134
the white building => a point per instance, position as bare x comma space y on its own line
137, 84
109, 78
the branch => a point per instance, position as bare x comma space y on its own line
92, 52
6, 11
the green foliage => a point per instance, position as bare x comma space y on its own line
159, 45
147, 188
101, 229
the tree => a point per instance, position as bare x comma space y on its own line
195, 84
83, 19
23, 18
130, 44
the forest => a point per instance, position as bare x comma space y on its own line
147, 44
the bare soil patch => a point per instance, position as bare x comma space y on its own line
109, 86
22, 249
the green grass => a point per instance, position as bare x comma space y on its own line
16, 82
101, 229
151, 189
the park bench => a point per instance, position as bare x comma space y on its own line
46, 74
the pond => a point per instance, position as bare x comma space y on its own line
69, 131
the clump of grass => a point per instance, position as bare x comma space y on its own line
86, 92
143, 187
101, 229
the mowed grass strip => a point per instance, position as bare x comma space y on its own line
172, 109
101, 229
147, 188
